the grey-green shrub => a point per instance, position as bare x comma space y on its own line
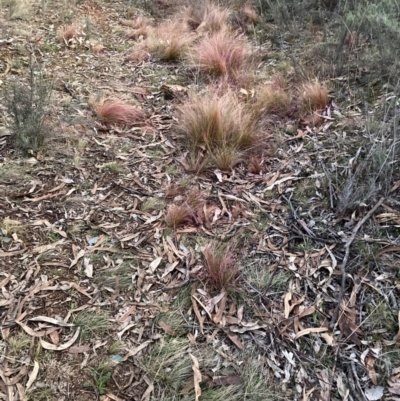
27, 107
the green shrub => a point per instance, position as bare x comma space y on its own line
27, 106
378, 25
360, 37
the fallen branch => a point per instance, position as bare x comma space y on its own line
298, 219
346, 257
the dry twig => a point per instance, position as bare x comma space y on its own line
346, 257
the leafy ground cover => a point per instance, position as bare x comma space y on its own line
199, 200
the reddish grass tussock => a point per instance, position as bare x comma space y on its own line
139, 22
250, 14
98, 50
226, 158
314, 96
221, 265
115, 111
138, 54
221, 54
274, 98
255, 165
168, 42
140, 28
178, 215
219, 125
139, 33
67, 33
207, 17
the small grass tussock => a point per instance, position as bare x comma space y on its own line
140, 28
112, 167
381, 316
76, 228
369, 174
254, 165
66, 33
262, 278
177, 316
274, 98
221, 54
166, 364
254, 383
138, 54
170, 41
170, 367
92, 323
250, 14
105, 365
178, 215
226, 158
9, 227
40, 394
221, 265
15, 172
27, 106
314, 96
368, 254
206, 17
151, 204
116, 347
108, 277
175, 321
115, 111
221, 126
195, 198
137, 34
17, 344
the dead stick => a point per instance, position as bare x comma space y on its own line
346, 257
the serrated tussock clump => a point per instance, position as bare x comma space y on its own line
178, 215
314, 96
250, 14
274, 98
206, 17
221, 54
67, 33
221, 265
170, 41
115, 111
220, 125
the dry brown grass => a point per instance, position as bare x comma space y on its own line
67, 33
221, 54
274, 98
98, 50
314, 96
140, 28
115, 111
250, 14
254, 165
139, 33
221, 126
207, 17
137, 23
168, 42
139, 54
